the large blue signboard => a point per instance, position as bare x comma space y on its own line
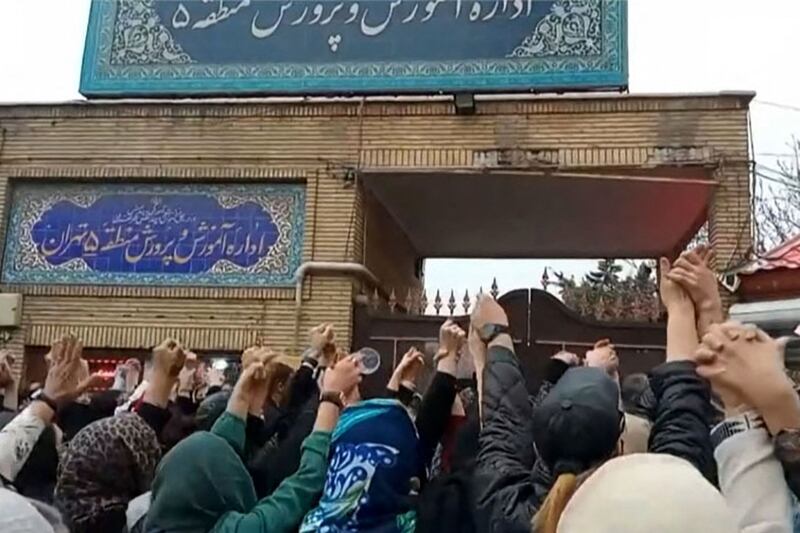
239, 235
174, 47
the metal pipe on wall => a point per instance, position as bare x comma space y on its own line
353, 270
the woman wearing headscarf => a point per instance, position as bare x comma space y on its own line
203, 485
370, 481
113, 460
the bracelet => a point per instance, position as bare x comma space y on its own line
335, 398
734, 425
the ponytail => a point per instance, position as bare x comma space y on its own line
546, 520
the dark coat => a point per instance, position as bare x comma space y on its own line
510, 483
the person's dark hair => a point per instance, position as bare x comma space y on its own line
635, 391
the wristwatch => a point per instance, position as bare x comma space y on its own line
489, 332
733, 425
334, 397
40, 396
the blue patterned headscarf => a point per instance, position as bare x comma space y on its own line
374, 456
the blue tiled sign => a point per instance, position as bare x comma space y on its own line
174, 47
239, 235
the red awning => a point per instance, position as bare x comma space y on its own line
785, 256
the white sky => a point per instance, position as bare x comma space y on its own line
675, 46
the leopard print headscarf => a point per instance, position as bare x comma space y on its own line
106, 465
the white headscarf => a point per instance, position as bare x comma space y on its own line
647, 493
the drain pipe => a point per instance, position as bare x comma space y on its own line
351, 270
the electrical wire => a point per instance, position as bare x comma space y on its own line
788, 107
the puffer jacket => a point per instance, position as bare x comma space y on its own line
683, 416
506, 489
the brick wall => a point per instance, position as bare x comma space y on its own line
322, 144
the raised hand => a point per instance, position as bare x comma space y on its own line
692, 271
61, 384
451, 340
321, 336
487, 311
408, 370
744, 363
603, 356
264, 356
252, 381
344, 377
673, 295
169, 358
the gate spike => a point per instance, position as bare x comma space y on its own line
375, 301
423, 303
495, 289
545, 279
409, 303
392, 301
451, 303
437, 302
466, 302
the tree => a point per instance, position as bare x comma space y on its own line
606, 294
777, 201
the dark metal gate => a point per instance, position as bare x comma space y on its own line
541, 325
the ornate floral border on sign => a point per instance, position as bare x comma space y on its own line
140, 38
572, 28
23, 264
580, 43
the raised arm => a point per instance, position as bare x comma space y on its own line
682, 413
693, 272
503, 489
746, 367
284, 509
60, 388
434, 412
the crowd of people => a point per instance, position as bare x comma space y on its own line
707, 442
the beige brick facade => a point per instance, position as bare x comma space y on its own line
326, 145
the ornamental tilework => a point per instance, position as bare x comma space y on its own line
169, 235
380, 46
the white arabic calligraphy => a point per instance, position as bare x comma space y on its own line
222, 13
295, 13
372, 31
260, 33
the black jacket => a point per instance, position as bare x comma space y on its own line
683, 416
505, 490
510, 483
